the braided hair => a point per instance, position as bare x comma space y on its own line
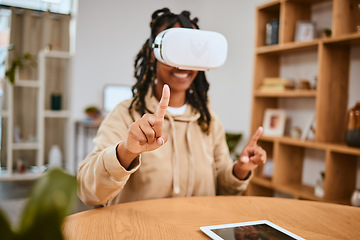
145, 72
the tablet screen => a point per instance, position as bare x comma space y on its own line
258, 230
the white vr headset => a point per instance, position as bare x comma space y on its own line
190, 49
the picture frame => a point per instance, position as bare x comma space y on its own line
305, 31
274, 122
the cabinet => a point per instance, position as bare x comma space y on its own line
29, 124
328, 101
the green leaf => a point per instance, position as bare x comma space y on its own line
232, 139
5, 228
51, 199
19, 62
10, 75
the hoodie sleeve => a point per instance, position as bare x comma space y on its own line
100, 175
227, 182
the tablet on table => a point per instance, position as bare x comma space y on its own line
259, 230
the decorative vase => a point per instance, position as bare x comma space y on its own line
352, 136
56, 100
355, 198
319, 187
55, 157
357, 15
21, 166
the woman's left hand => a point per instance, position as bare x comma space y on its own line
251, 157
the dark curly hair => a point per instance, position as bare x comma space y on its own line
145, 71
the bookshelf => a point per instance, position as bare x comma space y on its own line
329, 100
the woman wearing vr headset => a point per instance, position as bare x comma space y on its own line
165, 142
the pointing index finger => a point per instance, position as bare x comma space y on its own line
256, 136
164, 102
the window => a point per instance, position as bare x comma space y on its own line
57, 6
114, 94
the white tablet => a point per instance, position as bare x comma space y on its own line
262, 229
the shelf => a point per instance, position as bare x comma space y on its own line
57, 54
286, 93
332, 147
26, 83
261, 181
342, 148
299, 191
288, 47
295, 142
87, 125
296, 190
348, 39
56, 114
270, 5
26, 146
4, 176
307, 1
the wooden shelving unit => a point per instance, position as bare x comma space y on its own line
330, 97
49, 127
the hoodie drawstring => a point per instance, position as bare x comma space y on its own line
191, 168
175, 159
175, 162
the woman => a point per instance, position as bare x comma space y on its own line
165, 142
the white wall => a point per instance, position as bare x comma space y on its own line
109, 34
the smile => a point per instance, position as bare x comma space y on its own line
181, 75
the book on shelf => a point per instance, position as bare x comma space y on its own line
277, 84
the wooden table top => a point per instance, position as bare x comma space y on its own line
180, 218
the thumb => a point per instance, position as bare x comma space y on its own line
161, 140
244, 159
246, 154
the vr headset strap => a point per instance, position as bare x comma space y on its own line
184, 21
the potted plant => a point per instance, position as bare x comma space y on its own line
326, 32
232, 140
92, 112
51, 199
17, 63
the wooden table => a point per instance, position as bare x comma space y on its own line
180, 218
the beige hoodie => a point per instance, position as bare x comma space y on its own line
191, 163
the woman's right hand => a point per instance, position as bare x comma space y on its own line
145, 134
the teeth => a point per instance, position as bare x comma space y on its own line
181, 75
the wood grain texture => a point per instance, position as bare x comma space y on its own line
344, 16
290, 14
180, 218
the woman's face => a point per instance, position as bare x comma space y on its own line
178, 80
